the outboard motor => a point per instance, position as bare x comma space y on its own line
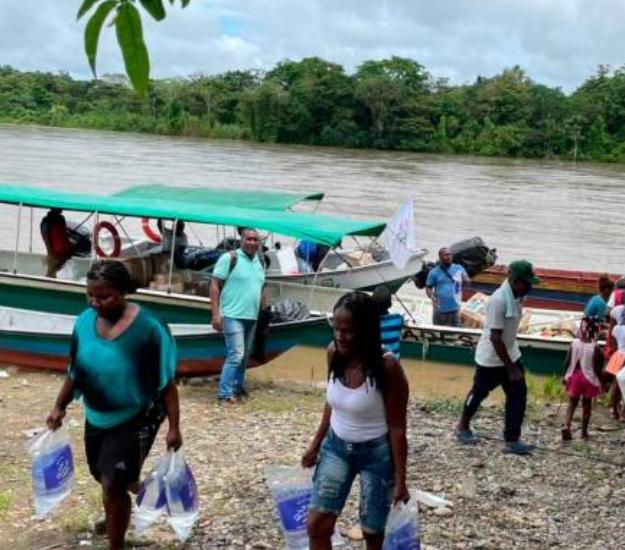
421, 276
473, 255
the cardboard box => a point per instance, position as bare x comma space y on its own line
140, 269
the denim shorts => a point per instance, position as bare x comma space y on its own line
338, 464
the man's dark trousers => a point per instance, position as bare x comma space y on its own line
486, 379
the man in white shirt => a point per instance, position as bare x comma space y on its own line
498, 359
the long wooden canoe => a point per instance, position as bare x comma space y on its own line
559, 289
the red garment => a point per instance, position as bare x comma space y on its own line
58, 239
579, 386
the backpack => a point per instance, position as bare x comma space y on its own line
233, 263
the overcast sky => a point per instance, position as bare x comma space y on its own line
558, 42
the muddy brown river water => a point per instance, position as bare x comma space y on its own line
557, 214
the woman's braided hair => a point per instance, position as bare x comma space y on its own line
113, 273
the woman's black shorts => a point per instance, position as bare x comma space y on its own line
117, 454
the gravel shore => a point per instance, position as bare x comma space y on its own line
560, 497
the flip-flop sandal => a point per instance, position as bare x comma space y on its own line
566, 434
466, 438
519, 448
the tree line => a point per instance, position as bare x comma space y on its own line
392, 104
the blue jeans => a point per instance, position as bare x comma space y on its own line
239, 336
338, 464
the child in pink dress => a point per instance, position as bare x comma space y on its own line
583, 362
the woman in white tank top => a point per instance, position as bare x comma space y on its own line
362, 430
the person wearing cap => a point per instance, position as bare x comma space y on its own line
444, 287
498, 359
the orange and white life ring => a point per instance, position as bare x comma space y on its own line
149, 232
117, 243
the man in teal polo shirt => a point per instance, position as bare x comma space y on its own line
236, 293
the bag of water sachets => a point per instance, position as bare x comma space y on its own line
402, 527
169, 489
151, 500
182, 496
52, 467
291, 489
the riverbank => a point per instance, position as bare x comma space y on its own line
200, 128
131, 123
315, 102
562, 497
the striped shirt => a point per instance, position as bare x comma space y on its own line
390, 329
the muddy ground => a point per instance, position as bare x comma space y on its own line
564, 496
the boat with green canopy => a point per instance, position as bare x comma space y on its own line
316, 227
252, 198
176, 295
316, 260
33, 299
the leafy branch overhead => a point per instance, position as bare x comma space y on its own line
126, 18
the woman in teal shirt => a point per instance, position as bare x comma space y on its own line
122, 363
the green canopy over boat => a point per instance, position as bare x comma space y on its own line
315, 227
241, 198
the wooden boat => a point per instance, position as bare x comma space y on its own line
542, 353
201, 350
42, 340
365, 277
337, 270
23, 284
559, 289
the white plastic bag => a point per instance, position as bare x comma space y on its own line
620, 380
429, 499
151, 501
402, 527
291, 489
169, 489
182, 496
52, 467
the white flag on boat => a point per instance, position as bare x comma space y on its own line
400, 237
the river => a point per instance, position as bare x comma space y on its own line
557, 214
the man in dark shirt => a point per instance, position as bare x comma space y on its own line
54, 233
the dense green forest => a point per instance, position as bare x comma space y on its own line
388, 104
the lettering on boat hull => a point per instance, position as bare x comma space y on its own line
441, 337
